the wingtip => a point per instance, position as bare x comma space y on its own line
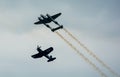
35, 23
60, 13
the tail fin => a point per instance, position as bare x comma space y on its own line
51, 59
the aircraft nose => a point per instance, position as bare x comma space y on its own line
51, 48
59, 13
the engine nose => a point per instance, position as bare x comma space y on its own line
51, 48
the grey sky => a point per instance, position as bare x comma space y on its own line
96, 23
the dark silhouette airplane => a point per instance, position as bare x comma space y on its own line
47, 19
44, 53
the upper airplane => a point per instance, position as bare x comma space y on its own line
47, 19
44, 53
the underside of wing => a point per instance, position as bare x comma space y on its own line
56, 15
47, 51
36, 56
38, 22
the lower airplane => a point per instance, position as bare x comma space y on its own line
47, 19
44, 53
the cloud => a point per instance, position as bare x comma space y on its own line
94, 24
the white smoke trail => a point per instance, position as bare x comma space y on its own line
91, 53
81, 55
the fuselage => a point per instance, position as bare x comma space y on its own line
42, 53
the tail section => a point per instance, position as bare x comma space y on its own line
54, 29
51, 59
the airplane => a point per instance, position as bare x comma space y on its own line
44, 53
47, 19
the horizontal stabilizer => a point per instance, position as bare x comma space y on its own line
51, 59
54, 29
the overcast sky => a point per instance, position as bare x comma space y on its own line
96, 23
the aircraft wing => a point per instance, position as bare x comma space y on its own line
56, 15
47, 51
36, 55
38, 22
